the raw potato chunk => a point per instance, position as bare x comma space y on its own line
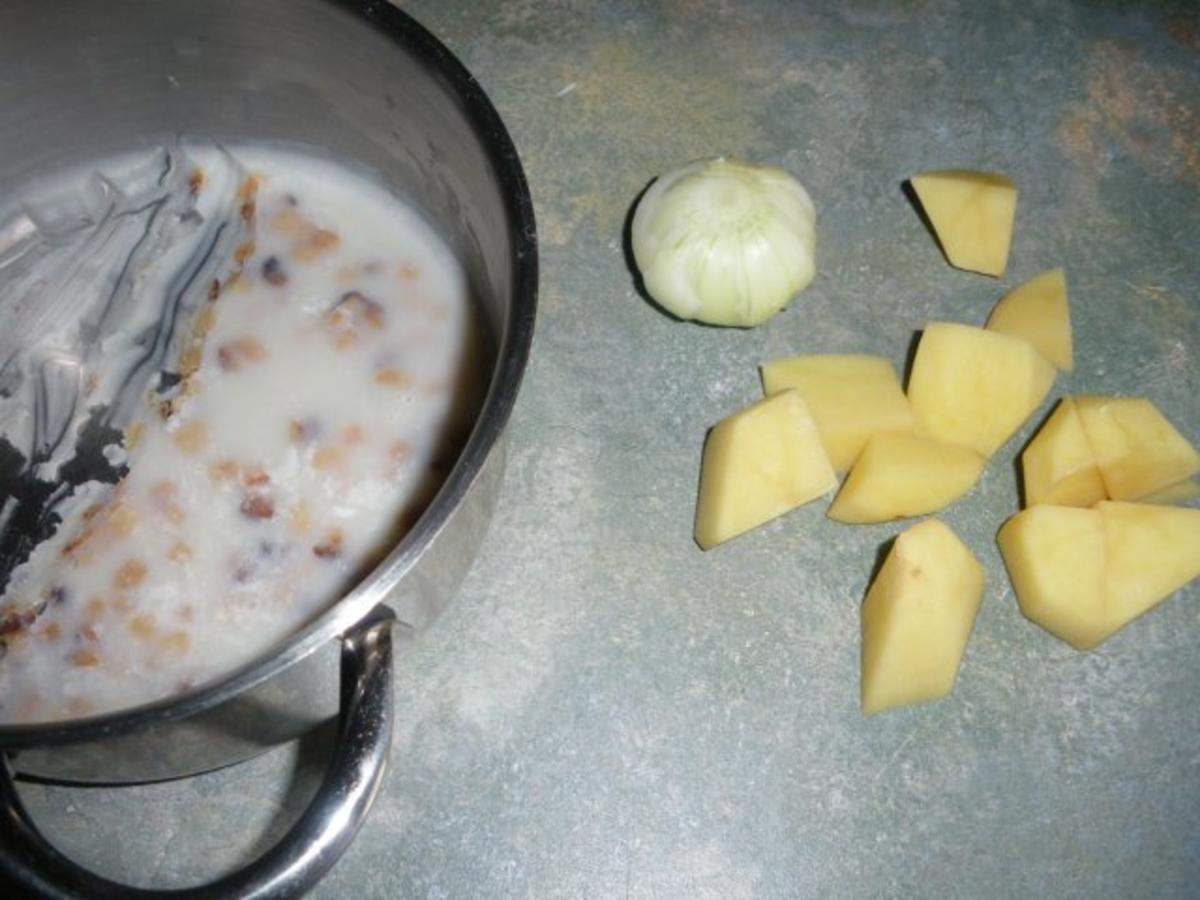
1084, 574
917, 617
1058, 465
1137, 449
850, 396
972, 213
900, 475
758, 464
1152, 551
1055, 558
1038, 312
973, 387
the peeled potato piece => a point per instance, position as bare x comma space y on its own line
758, 464
1151, 551
1137, 450
972, 214
973, 387
1058, 466
901, 475
917, 617
850, 396
1038, 312
1083, 574
1055, 558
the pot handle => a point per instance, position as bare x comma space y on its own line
291, 867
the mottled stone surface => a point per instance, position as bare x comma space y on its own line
607, 712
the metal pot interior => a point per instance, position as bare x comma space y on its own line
360, 83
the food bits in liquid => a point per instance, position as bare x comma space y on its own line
320, 380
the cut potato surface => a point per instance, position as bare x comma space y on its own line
917, 617
1137, 450
1055, 558
974, 387
1084, 574
1058, 466
972, 214
851, 396
759, 464
901, 475
1038, 312
1152, 551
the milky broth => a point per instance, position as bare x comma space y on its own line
325, 379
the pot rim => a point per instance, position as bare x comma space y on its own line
511, 358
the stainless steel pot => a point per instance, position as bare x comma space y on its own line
363, 82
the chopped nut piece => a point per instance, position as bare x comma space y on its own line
290, 223
206, 320
180, 552
393, 378
257, 506
177, 642
162, 492
143, 627
244, 251
251, 349
255, 476
328, 457
301, 519
353, 312
192, 437
315, 244
14, 621
331, 547
123, 518
85, 659
223, 470
190, 359
233, 354
131, 574
77, 550
104, 525
248, 188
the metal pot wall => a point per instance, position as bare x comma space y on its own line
359, 82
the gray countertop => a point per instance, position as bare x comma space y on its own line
605, 711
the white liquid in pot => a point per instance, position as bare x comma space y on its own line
329, 370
